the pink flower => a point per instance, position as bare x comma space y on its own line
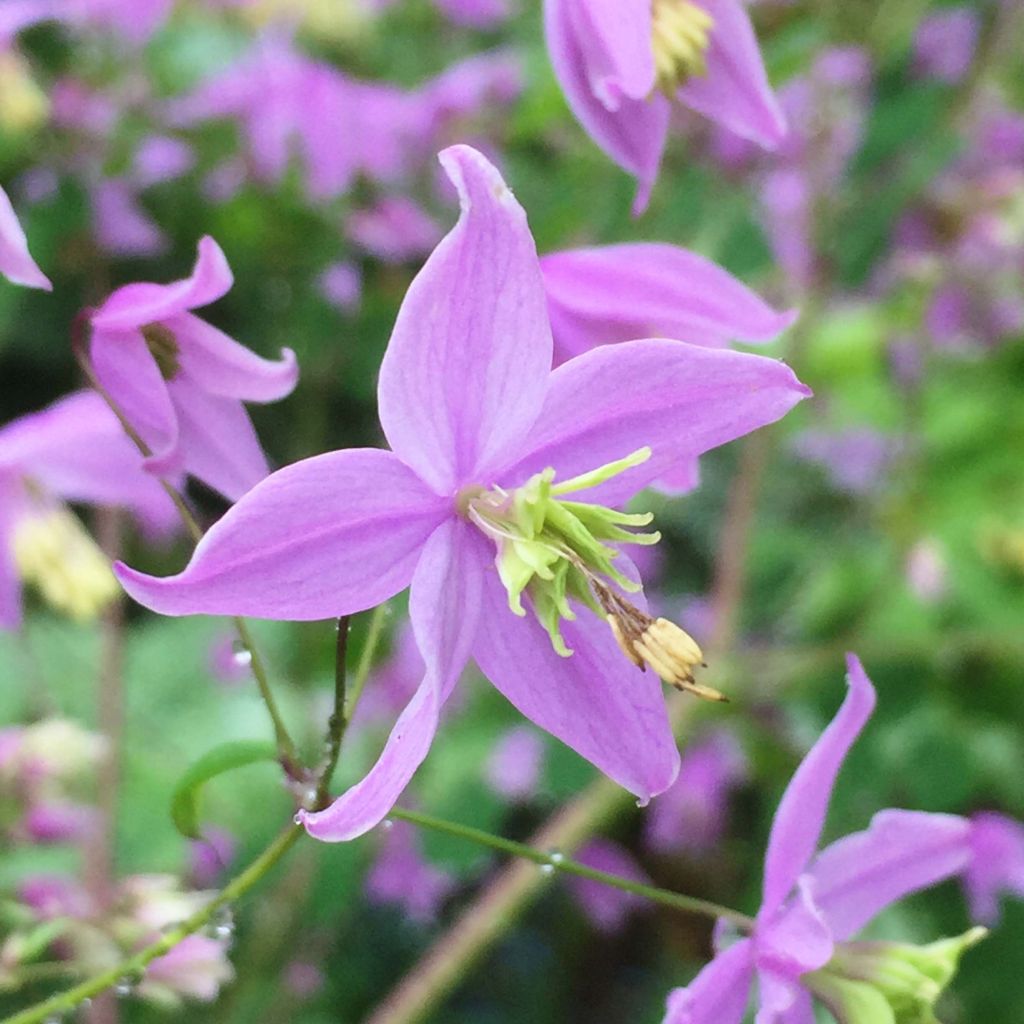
487, 445
996, 865
181, 382
395, 230
605, 906
341, 284
813, 904
401, 875
479, 14
197, 968
620, 63
15, 262
75, 450
945, 42
513, 769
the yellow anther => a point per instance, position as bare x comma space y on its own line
54, 553
681, 36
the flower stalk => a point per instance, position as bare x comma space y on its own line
556, 861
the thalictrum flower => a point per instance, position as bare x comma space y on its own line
813, 905
180, 382
76, 451
15, 262
996, 864
495, 461
620, 64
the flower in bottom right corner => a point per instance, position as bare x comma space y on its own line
800, 947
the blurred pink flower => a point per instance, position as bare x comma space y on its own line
122, 226
196, 968
181, 382
996, 865
945, 42
605, 906
401, 875
692, 814
341, 284
480, 14
395, 230
514, 765
927, 570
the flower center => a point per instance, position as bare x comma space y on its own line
682, 32
53, 552
555, 550
163, 346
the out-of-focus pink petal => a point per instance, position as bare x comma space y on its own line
632, 134
680, 479
324, 537
801, 813
607, 907
122, 226
444, 606
513, 769
11, 499
479, 14
595, 701
901, 852
136, 305
224, 367
678, 399
465, 371
735, 90
216, 439
15, 262
128, 372
719, 994
635, 290
77, 450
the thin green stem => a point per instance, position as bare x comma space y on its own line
134, 966
373, 635
285, 745
556, 861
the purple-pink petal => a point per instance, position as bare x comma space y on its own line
901, 852
720, 993
216, 439
793, 940
801, 813
633, 132
680, 400
595, 701
996, 865
226, 368
616, 293
464, 374
128, 373
16, 264
324, 537
735, 90
444, 606
136, 305
605, 906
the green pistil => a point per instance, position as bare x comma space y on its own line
556, 549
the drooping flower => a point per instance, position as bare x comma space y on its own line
181, 382
619, 66
75, 451
800, 947
16, 264
495, 460
613, 293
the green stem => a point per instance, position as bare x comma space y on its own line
556, 861
373, 635
285, 745
134, 966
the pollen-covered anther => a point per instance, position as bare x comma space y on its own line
668, 649
681, 36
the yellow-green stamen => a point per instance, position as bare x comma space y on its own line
681, 36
